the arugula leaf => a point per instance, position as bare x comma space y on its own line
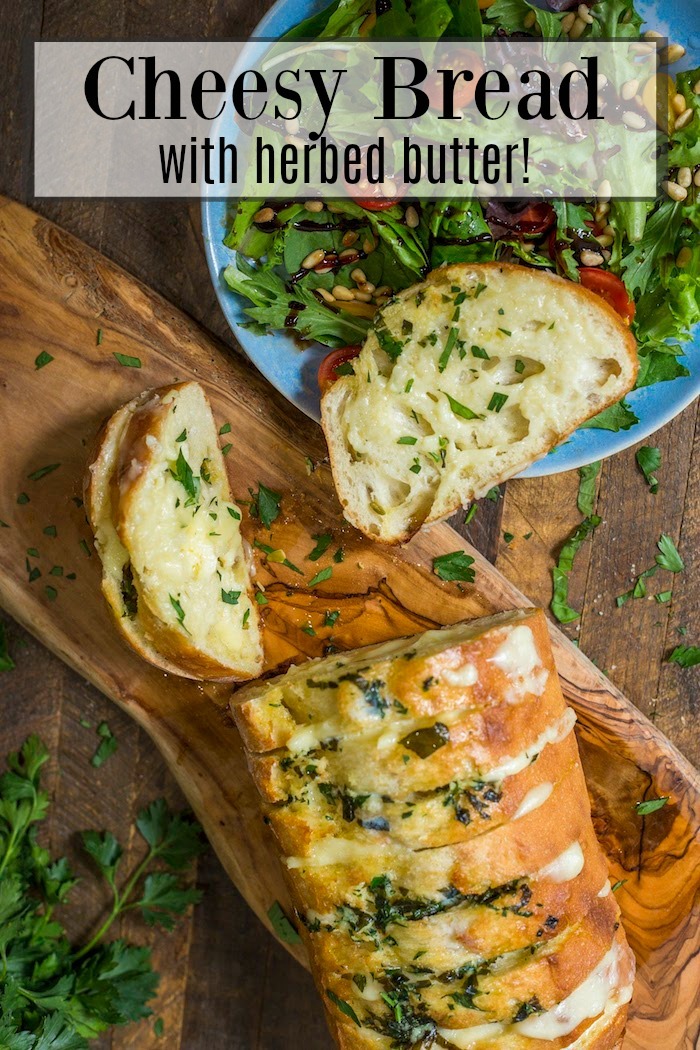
649, 460
454, 566
685, 656
617, 417
510, 15
585, 501
560, 573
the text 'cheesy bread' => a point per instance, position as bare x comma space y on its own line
175, 566
428, 801
463, 381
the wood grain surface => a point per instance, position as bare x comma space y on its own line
56, 295
226, 983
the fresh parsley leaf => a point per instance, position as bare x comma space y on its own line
265, 505
183, 473
586, 489
493, 494
648, 461
42, 359
126, 361
105, 851
650, 805
685, 656
321, 576
454, 566
471, 513
282, 926
323, 542
276, 556
6, 661
560, 573
230, 597
163, 899
668, 557
331, 618
106, 747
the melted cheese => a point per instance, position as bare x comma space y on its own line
565, 867
335, 851
607, 888
520, 662
462, 676
553, 734
535, 798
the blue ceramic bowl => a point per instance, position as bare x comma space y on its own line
293, 371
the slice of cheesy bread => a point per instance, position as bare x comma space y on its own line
428, 801
462, 382
175, 566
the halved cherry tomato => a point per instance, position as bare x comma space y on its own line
376, 203
610, 288
327, 374
463, 89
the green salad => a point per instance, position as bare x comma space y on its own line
324, 269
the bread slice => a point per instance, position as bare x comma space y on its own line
463, 381
175, 567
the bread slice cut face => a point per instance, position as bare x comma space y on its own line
175, 567
462, 382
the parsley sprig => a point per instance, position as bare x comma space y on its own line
54, 995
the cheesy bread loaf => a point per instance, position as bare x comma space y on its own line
175, 567
428, 801
462, 382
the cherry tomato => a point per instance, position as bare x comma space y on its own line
463, 91
610, 288
376, 203
327, 374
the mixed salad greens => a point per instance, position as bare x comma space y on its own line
324, 269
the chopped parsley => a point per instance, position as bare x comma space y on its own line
230, 597
649, 461
323, 542
320, 577
265, 504
106, 747
650, 805
182, 472
276, 556
461, 410
454, 566
36, 475
519, 366
479, 351
179, 611
225, 429
42, 359
126, 361
585, 501
6, 661
449, 347
408, 440
685, 656
497, 402
282, 926
345, 1008
560, 573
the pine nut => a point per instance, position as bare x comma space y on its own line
359, 276
641, 49
678, 104
601, 211
604, 192
367, 286
696, 88
349, 255
578, 28
388, 188
629, 89
585, 14
696, 178
313, 259
610, 230
606, 254
651, 34
367, 246
325, 294
264, 215
334, 209
314, 206
382, 300
384, 290
292, 126
601, 81
364, 297
349, 238
509, 70
568, 67
294, 140
324, 269
684, 120
342, 293
674, 191
683, 258
672, 53
412, 219
589, 258
529, 20
634, 120
684, 177
605, 240
566, 23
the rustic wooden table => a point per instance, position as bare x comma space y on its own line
225, 983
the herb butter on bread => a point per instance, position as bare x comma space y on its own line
462, 382
175, 566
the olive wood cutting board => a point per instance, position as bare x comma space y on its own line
60, 298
